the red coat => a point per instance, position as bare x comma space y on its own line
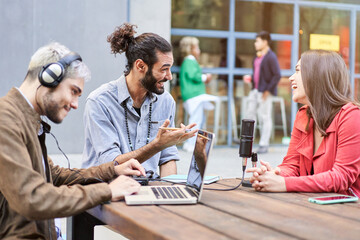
336, 164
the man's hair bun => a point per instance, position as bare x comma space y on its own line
121, 38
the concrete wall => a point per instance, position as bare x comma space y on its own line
152, 16
81, 25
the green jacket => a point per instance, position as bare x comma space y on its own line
191, 84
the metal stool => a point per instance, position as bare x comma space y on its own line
274, 99
283, 126
217, 113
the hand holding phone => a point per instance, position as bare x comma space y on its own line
333, 199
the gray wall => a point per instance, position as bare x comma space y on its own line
81, 25
152, 16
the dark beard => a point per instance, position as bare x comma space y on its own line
51, 109
149, 83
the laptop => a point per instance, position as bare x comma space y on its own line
180, 194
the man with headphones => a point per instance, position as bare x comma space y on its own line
33, 191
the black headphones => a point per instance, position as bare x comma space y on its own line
52, 74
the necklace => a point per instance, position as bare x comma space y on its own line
127, 125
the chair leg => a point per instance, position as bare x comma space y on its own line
222, 122
283, 117
217, 119
205, 122
186, 117
273, 120
234, 123
243, 107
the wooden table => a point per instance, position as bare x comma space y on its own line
237, 214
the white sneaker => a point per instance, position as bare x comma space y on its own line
262, 149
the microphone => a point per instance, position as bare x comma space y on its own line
245, 148
246, 140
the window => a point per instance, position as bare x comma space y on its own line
337, 1
213, 51
258, 16
245, 52
200, 14
325, 21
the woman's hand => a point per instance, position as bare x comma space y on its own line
267, 179
269, 182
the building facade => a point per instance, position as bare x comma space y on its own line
227, 28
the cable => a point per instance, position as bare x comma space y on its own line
213, 189
163, 180
86, 180
229, 189
57, 144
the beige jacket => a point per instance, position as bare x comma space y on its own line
29, 197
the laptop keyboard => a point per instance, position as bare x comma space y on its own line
172, 192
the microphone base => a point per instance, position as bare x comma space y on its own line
246, 183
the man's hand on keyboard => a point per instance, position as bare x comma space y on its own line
122, 186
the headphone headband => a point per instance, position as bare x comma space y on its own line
52, 74
68, 59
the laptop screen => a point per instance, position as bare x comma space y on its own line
203, 145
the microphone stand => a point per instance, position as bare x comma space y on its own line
247, 183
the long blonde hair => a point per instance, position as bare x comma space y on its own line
326, 82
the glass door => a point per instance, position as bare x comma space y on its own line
326, 29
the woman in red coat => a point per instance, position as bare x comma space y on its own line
324, 151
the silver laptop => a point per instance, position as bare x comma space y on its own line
180, 194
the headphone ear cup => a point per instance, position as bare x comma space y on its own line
51, 75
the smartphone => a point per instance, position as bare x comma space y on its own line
333, 199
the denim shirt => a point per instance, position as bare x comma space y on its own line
106, 136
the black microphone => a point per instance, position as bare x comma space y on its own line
246, 140
245, 148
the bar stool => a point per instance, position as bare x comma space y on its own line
283, 126
274, 100
218, 112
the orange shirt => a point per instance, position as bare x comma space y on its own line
336, 163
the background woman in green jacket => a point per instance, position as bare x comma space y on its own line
192, 86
